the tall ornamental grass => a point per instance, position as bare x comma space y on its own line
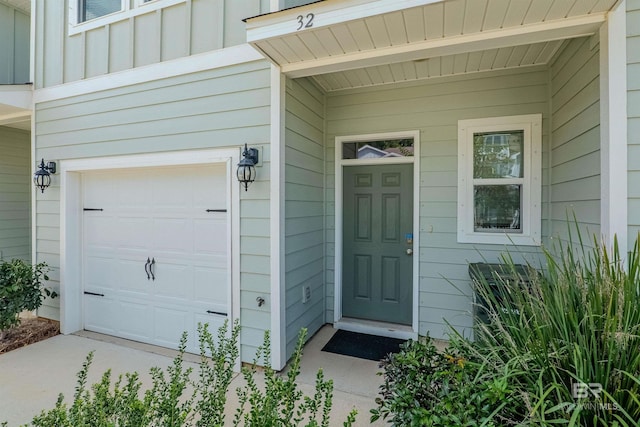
574, 332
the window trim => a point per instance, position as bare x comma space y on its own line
531, 125
124, 13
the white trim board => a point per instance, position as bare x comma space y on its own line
376, 327
192, 64
71, 315
613, 130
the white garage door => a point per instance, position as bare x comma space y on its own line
155, 258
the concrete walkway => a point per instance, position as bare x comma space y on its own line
32, 377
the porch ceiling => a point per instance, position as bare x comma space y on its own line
23, 5
355, 43
15, 106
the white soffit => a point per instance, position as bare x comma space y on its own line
23, 5
355, 43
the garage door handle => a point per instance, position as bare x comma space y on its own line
93, 293
153, 262
146, 268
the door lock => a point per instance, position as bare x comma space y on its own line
409, 251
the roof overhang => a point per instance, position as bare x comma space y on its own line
354, 34
15, 105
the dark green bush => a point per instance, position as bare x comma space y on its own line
20, 289
424, 387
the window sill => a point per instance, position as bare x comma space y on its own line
499, 239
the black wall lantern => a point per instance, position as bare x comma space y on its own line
247, 167
42, 177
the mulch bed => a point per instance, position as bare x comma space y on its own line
30, 330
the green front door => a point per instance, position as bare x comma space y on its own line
377, 264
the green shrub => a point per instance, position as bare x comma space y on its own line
20, 289
178, 397
423, 387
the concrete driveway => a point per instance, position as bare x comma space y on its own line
32, 377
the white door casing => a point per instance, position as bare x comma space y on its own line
71, 245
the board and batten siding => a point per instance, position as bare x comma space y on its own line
304, 209
434, 108
14, 45
575, 150
216, 108
184, 29
633, 114
15, 194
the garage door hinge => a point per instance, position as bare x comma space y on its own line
216, 210
216, 312
92, 209
93, 293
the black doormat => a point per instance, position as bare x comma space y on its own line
362, 346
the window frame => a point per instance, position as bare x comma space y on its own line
531, 192
126, 11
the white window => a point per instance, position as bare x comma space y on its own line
85, 15
499, 180
92, 9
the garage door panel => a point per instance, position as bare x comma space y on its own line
211, 235
130, 278
170, 323
133, 232
135, 320
100, 312
211, 289
98, 231
173, 281
173, 234
160, 214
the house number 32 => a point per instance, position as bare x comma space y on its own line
305, 21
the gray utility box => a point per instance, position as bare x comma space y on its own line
496, 276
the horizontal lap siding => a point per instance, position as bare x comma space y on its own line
15, 194
434, 109
633, 112
213, 109
187, 28
575, 151
304, 209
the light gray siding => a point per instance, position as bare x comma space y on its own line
187, 28
633, 112
14, 45
304, 209
434, 108
15, 194
217, 108
575, 151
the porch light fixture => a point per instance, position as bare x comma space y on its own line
246, 172
42, 177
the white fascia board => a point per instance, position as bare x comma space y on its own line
521, 35
17, 96
192, 64
325, 14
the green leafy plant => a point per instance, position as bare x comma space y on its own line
424, 387
20, 289
179, 398
280, 402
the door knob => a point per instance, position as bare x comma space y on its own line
409, 251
